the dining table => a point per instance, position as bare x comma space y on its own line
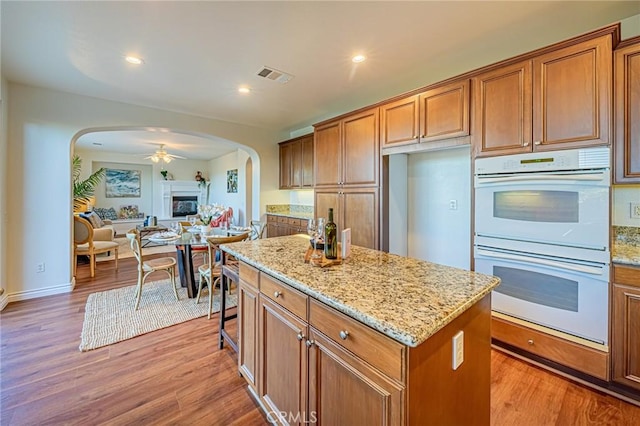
185, 244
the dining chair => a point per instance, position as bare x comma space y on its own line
147, 267
211, 272
84, 245
257, 229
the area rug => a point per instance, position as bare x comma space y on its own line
109, 315
124, 250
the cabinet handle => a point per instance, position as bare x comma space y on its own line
530, 342
415, 136
277, 294
344, 334
309, 343
300, 336
537, 143
423, 136
525, 144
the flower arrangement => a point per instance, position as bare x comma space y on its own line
208, 211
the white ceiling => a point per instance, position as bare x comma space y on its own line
197, 53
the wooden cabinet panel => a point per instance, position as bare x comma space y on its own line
307, 162
344, 390
282, 386
444, 112
399, 122
627, 111
296, 163
361, 149
502, 111
574, 355
247, 332
385, 354
572, 96
355, 208
327, 154
625, 349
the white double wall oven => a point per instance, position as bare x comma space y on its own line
542, 226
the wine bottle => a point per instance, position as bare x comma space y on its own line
330, 238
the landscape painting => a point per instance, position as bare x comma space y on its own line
122, 183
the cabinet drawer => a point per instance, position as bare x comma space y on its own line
282, 219
573, 355
250, 275
626, 275
287, 297
294, 222
272, 218
373, 347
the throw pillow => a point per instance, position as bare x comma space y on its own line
95, 220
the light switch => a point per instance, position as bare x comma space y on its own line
635, 210
458, 350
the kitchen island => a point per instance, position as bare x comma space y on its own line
370, 341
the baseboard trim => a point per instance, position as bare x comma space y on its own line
37, 293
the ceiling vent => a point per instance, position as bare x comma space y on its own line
275, 75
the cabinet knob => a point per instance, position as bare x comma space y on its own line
300, 336
309, 343
277, 294
530, 342
423, 136
537, 143
525, 144
344, 334
415, 136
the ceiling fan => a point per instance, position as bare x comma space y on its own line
161, 155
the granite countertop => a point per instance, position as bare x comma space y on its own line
626, 245
295, 215
407, 299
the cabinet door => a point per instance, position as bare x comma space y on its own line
399, 122
627, 116
326, 199
502, 111
248, 332
444, 112
344, 390
307, 162
327, 154
572, 96
625, 349
282, 386
361, 149
296, 164
359, 211
285, 166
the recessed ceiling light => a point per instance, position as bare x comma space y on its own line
134, 60
359, 58
244, 89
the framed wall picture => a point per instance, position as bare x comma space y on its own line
122, 183
232, 180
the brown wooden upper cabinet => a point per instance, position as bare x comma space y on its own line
436, 114
296, 163
347, 151
557, 100
627, 111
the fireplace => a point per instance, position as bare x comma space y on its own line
183, 205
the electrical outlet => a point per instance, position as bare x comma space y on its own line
453, 204
40, 267
458, 350
635, 210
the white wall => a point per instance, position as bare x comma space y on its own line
398, 203
218, 168
42, 125
301, 197
436, 233
4, 159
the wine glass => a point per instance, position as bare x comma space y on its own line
192, 221
312, 230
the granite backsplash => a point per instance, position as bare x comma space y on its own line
285, 209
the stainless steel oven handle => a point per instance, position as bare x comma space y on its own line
593, 270
598, 176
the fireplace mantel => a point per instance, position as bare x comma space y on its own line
178, 187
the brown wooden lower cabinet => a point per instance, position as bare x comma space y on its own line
280, 226
317, 365
574, 355
625, 348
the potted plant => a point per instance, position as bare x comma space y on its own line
83, 190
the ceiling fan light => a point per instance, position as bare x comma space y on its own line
166, 159
155, 158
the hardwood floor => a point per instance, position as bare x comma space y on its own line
178, 376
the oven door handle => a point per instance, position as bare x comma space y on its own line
582, 177
593, 270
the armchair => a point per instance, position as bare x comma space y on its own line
84, 244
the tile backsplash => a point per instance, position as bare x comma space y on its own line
289, 208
